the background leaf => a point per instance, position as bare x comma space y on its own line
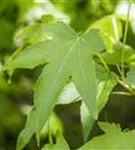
61, 144
114, 57
109, 25
110, 29
130, 79
112, 139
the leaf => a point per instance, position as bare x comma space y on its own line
67, 55
114, 57
109, 129
130, 79
27, 132
70, 94
52, 126
40, 52
114, 138
106, 81
110, 25
48, 18
110, 29
61, 144
105, 84
30, 35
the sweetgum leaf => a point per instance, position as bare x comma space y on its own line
56, 36
113, 138
67, 55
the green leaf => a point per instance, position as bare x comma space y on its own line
54, 39
30, 35
114, 138
67, 55
52, 126
106, 81
61, 144
130, 79
114, 57
109, 129
27, 132
34, 33
48, 18
110, 25
105, 84
111, 30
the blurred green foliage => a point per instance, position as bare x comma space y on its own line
16, 91
84, 12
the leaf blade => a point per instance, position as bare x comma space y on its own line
113, 139
104, 87
61, 65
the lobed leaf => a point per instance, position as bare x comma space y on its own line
114, 138
36, 54
67, 55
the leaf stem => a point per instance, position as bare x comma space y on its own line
124, 39
119, 70
49, 132
103, 62
127, 87
121, 93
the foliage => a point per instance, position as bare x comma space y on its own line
60, 50
82, 59
60, 144
121, 140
